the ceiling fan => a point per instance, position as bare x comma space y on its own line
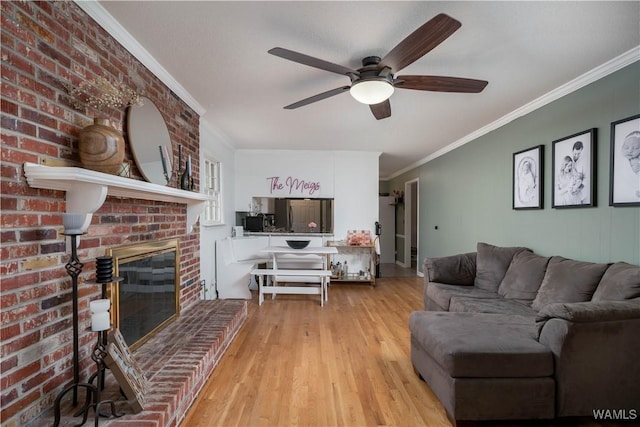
374, 83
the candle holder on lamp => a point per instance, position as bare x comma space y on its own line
100, 317
100, 323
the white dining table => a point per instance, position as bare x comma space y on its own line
296, 274
323, 251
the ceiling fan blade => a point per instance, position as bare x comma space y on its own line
381, 110
301, 58
440, 84
421, 41
318, 97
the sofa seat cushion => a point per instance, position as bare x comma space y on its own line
568, 280
492, 263
441, 293
477, 345
462, 304
620, 282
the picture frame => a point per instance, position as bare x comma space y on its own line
528, 178
116, 338
574, 171
130, 384
624, 170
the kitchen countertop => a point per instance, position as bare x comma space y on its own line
284, 233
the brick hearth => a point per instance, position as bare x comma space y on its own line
177, 362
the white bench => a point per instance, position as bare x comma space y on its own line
235, 258
311, 289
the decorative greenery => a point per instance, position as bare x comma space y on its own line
100, 93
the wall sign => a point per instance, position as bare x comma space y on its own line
292, 186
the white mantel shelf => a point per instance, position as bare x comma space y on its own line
87, 190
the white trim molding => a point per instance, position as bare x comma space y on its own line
589, 77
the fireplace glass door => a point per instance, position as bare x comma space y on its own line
147, 298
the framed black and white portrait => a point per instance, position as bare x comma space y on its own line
528, 184
573, 167
624, 174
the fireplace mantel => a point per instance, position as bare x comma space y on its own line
87, 190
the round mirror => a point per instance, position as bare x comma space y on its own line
150, 141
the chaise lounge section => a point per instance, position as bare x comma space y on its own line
511, 335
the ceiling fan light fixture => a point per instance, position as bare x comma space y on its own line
372, 91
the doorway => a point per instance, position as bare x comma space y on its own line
411, 225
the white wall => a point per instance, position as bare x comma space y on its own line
349, 177
356, 177
256, 170
215, 146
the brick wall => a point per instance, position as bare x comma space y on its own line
45, 44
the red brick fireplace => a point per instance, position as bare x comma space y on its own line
44, 46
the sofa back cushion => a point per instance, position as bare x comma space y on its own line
524, 277
452, 270
567, 280
492, 263
620, 282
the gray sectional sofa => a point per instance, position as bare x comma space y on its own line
510, 335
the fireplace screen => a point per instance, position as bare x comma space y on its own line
148, 297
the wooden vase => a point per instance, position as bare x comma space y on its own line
101, 147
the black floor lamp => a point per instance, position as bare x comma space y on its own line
75, 224
73, 227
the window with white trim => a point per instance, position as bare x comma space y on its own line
213, 206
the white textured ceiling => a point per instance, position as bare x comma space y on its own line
217, 51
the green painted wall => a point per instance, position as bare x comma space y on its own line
383, 187
466, 193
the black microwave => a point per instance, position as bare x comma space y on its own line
254, 223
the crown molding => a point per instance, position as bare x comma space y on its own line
617, 63
118, 32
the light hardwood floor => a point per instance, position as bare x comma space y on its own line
345, 364
295, 363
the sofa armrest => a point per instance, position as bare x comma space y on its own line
453, 270
595, 347
591, 311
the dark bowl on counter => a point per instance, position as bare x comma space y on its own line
298, 244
